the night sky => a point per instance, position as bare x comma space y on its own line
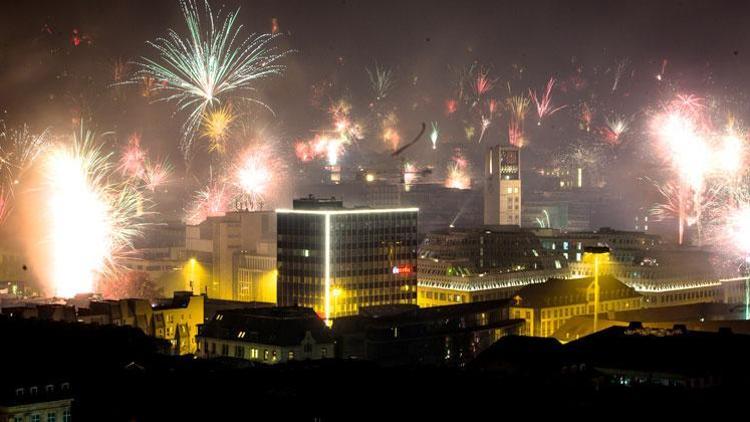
47, 80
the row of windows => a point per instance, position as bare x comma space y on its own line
254, 353
51, 417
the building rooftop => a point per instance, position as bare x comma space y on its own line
283, 326
562, 292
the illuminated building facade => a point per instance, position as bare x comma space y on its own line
266, 335
474, 265
502, 186
337, 260
254, 278
218, 244
547, 306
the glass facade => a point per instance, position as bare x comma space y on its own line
337, 261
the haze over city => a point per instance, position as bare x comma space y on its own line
417, 186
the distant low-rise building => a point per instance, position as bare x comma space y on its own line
266, 335
547, 306
47, 401
405, 334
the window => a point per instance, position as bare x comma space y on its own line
66, 416
36, 418
51, 417
19, 392
291, 355
49, 388
254, 353
323, 352
33, 390
265, 354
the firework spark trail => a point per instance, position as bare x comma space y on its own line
214, 62
216, 127
586, 117
381, 81
544, 105
434, 134
482, 85
518, 105
619, 71
486, 118
92, 220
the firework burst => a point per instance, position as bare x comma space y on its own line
544, 104
211, 201
156, 173
216, 127
457, 176
214, 62
92, 220
19, 149
381, 81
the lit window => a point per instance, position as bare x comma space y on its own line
578, 256
306, 253
291, 355
510, 190
565, 245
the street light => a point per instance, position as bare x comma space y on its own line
597, 252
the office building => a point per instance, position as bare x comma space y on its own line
473, 265
502, 186
337, 260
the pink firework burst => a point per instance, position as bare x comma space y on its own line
133, 158
544, 104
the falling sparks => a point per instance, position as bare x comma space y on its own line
214, 62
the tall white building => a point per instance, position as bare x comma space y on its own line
502, 186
